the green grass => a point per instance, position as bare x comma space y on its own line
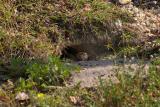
32, 35
37, 29
138, 90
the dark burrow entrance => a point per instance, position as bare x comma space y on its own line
74, 53
83, 52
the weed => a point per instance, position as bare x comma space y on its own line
54, 72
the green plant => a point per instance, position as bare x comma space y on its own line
53, 72
25, 85
132, 90
138, 90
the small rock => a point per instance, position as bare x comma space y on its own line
22, 96
123, 2
118, 23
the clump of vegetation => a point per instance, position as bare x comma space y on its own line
33, 76
132, 90
52, 71
36, 29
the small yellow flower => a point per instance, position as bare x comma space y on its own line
40, 95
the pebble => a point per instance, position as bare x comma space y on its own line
123, 2
21, 96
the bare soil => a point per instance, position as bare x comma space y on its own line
93, 71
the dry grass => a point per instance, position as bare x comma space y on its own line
37, 29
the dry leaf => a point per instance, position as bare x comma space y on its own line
75, 99
4, 99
